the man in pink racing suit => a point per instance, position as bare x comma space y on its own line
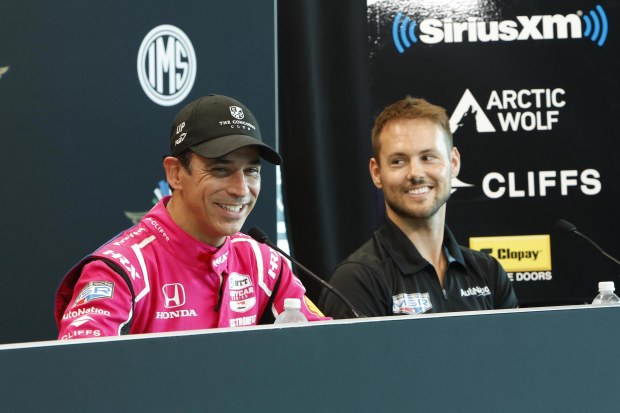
185, 265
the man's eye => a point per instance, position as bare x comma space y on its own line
253, 171
397, 162
220, 171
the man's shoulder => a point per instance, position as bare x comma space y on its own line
476, 256
370, 254
126, 240
481, 263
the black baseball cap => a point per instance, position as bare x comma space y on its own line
216, 125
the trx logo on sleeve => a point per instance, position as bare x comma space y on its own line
416, 303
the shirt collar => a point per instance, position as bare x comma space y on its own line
406, 255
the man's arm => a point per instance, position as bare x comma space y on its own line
291, 287
100, 304
365, 289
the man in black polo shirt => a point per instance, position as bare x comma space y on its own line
413, 264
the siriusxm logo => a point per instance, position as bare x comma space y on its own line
166, 65
592, 25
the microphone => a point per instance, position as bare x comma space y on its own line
260, 236
568, 227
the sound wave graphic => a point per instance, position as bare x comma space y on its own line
596, 25
403, 31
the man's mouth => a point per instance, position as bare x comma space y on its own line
419, 190
231, 208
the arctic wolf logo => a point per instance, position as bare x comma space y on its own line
469, 106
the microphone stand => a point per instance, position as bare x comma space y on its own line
567, 226
260, 236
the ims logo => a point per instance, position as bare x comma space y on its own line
166, 65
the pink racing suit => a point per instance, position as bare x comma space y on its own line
154, 277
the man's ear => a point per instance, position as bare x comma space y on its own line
173, 169
455, 159
375, 172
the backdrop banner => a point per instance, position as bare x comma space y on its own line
532, 91
88, 93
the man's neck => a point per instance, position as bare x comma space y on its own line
427, 236
180, 217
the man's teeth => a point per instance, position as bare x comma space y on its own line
232, 208
418, 191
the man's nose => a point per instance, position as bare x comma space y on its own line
415, 170
237, 184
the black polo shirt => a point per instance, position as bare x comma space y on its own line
388, 276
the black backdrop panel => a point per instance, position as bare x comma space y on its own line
534, 89
83, 143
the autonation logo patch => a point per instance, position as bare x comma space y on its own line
592, 25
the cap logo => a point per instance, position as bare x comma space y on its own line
180, 139
237, 112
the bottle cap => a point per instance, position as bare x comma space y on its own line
294, 303
606, 285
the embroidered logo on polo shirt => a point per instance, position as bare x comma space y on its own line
476, 292
416, 303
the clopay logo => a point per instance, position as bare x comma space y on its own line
592, 25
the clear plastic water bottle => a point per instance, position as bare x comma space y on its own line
292, 312
606, 295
